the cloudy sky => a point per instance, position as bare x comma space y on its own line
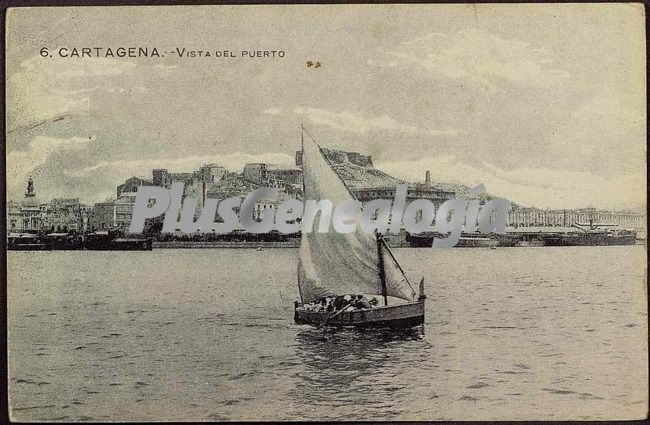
545, 104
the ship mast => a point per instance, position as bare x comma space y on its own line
382, 272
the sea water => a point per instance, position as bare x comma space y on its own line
208, 334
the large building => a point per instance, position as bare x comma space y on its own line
64, 215
535, 217
112, 215
368, 183
208, 173
197, 184
255, 173
285, 179
211, 173
33, 216
131, 185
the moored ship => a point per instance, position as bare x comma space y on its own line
425, 240
110, 241
97, 241
592, 236
25, 242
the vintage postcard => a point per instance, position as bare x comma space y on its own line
326, 212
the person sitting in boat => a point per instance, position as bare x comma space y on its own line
329, 304
318, 306
313, 306
350, 302
340, 301
322, 306
361, 303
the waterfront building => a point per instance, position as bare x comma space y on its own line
102, 216
112, 215
26, 216
263, 204
536, 217
14, 217
63, 215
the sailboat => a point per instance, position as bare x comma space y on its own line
336, 264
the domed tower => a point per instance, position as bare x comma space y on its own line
30, 188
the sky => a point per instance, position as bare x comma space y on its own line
544, 104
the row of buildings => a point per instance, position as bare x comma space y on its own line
535, 217
209, 181
215, 181
58, 215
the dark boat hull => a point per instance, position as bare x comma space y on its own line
120, 245
391, 316
425, 240
589, 240
28, 247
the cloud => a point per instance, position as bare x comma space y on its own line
477, 56
272, 111
355, 122
20, 164
114, 172
142, 167
528, 186
603, 134
45, 88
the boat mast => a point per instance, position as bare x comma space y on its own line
302, 158
382, 272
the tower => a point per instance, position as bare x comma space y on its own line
30, 188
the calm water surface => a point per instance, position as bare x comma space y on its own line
511, 333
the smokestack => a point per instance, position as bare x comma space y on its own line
427, 177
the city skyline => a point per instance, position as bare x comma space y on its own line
541, 118
150, 178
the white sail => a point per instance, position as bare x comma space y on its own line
333, 263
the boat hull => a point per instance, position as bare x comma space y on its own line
391, 316
589, 240
28, 247
425, 240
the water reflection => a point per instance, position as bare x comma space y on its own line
352, 367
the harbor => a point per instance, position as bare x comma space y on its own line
522, 237
65, 223
519, 338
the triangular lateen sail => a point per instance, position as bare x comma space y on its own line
334, 263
